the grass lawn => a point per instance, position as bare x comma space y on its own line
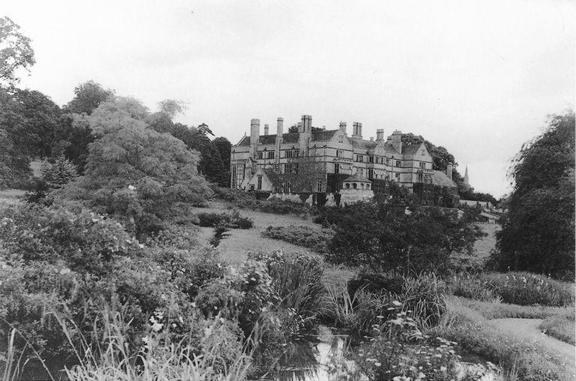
484, 245
235, 247
465, 322
11, 196
561, 327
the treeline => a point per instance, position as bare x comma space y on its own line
33, 127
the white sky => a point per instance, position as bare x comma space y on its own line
477, 77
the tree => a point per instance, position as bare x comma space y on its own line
87, 97
171, 107
15, 52
224, 147
538, 230
135, 172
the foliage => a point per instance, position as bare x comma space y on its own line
29, 119
229, 220
14, 165
561, 327
305, 236
387, 237
134, 172
274, 206
297, 280
15, 52
400, 351
423, 298
87, 97
224, 148
538, 230
471, 287
497, 310
529, 289
231, 195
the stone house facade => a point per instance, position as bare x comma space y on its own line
306, 158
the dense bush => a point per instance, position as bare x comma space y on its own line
62, 270
305, 236
230, 220
472, 287
529, 289
274, 206
386, 237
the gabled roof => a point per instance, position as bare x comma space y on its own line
357, 179
323, 136
363, 144
270, 139
410, 149
441, 179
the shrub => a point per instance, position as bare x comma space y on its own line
275, 206
377, 282
232, 220
472, 287
529, 289
305, 236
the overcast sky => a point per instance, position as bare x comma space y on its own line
477, 77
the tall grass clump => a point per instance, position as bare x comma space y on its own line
424, 299
529, 289
297, 280
471, 287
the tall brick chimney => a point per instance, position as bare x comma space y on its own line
379, 134
343, 127
266, 129
254, 136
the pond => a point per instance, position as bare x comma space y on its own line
319, 358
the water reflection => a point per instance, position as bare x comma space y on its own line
320, 358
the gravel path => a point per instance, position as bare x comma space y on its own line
527, 329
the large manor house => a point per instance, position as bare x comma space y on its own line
306, 158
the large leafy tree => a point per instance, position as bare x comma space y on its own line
538, 230
136, 172
87, 97
16, 53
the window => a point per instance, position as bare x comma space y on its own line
271, 155
370, 173
259, 187
359, 158
234, 174
260, 155
292, 153
398, 163
371, 159
340, 138
339, 153
336, 168
423, 165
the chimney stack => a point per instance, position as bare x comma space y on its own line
254, 136
343, 127
306, 124
265, 130
379, 134
357, 130
279, 136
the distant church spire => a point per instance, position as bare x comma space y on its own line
466, 178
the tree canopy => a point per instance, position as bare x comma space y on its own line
134, 171
15, 52
538, 230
